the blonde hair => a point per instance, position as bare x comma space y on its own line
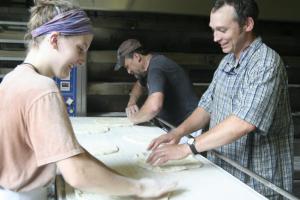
42, 12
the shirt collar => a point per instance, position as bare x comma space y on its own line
231, 61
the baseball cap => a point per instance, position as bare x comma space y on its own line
127, 47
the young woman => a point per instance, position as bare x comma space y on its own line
36, 136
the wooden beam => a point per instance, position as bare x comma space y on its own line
187, 7
189, 60
190, 7
123, 88
297, 148
12, 55
4, 71
12, 37
206, 61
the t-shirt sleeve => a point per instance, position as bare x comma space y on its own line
50, 131
257, 101
156, 80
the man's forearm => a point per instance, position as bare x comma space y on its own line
132, 100
135, 94
229, 130
142, 116
150, 109
197, 120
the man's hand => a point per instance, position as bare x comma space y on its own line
130, 110
152, 188
167, 152
169, 138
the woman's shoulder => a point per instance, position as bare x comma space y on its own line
28, 79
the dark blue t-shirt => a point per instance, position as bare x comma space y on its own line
166, 76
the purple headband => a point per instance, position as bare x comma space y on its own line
72, 22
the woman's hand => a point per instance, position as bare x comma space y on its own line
152, 188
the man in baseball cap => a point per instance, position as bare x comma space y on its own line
125, 49
170, 92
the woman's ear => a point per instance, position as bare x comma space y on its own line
54, 39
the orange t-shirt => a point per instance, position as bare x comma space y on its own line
35, 130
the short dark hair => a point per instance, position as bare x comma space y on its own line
243, 9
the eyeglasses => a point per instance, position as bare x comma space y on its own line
230, 72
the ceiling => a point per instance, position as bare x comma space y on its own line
287, 10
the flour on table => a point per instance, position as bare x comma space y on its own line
101, 149
139, 138
90, 129
105, 150
142, 136
93, 196
75, 194
171, 166
114, 121
86, 125
97, 145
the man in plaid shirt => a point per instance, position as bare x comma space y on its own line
246, 105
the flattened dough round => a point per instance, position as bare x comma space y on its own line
171, 166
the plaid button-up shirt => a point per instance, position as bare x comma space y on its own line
255, 89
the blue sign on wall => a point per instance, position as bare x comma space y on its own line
67, 87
